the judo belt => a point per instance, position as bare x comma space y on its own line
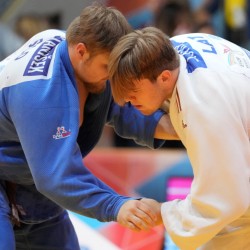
11, 193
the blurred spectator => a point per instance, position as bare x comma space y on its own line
205, 27
174, 18
28, 25
55, 20
209, 17
9, 42
203, 17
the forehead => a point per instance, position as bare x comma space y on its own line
140, 84
136, 87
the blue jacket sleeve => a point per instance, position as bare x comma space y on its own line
129, 123
47, 127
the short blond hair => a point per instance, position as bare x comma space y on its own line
98, 27
141, 54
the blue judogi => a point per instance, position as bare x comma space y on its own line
42, 146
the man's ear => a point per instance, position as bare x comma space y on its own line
82, 51
165, 75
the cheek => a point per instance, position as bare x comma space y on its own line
98, 73
89, 75
151, 96
154, 100
103, 72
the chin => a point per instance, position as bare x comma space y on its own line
97, 90
146, 112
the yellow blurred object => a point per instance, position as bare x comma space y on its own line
235, 14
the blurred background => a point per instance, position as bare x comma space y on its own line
130, 169
226, 18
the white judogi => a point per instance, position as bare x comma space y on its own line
210, 110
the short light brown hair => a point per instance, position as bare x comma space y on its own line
141, 54
98, 27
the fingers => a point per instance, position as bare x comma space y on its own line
132, 217
146, 214
141, 220
133, 227
137, 224
139, 215
154, 210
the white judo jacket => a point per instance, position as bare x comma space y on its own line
210, 110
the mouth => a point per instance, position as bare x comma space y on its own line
138, 106
143, 110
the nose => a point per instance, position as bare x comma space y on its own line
126, 99
129, 98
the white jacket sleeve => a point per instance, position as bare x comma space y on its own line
212, 123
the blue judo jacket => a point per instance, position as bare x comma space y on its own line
41, 143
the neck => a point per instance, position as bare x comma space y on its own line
82, 95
